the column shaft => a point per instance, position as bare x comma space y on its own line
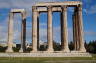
62, 40
38, 46
75, 30
10, 33
64, 32
49, 30
34, 29
23, 33
80, 24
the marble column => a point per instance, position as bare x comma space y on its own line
62, 40
23, 32
49, 30
80, 25
34, 29
75, 30
64, 30
10, 33
38, 31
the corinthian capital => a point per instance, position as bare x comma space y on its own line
49, 8
64, 8
79, 7
34, 8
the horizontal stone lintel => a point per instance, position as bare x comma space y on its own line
43, 9
17, 10
68, 3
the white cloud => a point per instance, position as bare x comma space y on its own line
3, 30
3, 33
5, 5
43, 34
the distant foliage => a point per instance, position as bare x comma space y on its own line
16, 49
56, 46
90, 47
71, 45
3, 49
28, 49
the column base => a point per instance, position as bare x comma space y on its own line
34, 51
82, 50
21, 50
50, 50
9, 50
66, 50
75, 51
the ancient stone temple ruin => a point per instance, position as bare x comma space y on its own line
10, 29
49, 8
59, 7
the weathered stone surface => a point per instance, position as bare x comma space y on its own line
50, 7
17, 10
71, 3
34, 30
10, 33
81, 32
49, 31
64, 31
11, 30
45, 54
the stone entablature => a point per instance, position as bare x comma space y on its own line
68, 3
17, 10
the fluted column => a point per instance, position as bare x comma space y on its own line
49, 30
23, 32
34, 29
38, 31
64, 30
75, 30
10, 33
80, 24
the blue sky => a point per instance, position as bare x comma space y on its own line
89, 20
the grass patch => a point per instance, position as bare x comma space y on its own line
41, 59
